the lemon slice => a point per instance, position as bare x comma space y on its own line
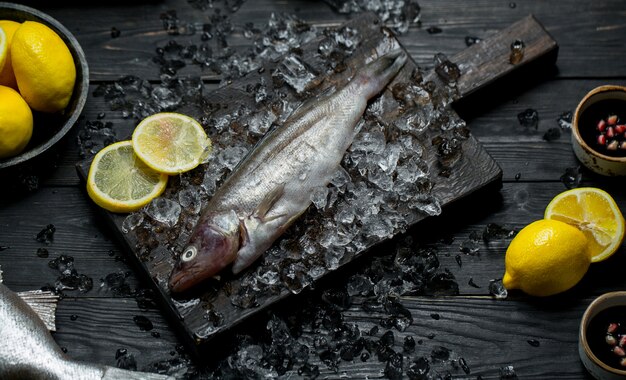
7, 77
120, 182
4, 48
595, 213
171, 143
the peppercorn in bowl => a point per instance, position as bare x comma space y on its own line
599, 130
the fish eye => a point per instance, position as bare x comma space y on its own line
189, 254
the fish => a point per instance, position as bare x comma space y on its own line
28, 350
272, 186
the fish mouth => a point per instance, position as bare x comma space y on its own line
181, 281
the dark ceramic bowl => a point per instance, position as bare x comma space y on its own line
586, 153
598, 369
49, 129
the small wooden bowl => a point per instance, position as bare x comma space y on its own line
592, 159
598, 369
49, 129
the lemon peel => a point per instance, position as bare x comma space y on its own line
171, 143
545, 258
119, 181
16, 123
44, 67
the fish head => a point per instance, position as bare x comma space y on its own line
212, 246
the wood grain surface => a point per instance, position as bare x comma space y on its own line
488, 333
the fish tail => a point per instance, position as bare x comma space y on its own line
378, 73
44, 304
111, 373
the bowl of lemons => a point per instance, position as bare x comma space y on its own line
44, 82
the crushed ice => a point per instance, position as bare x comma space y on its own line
385, 180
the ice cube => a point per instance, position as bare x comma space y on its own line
231, 156
319, 197
497, 289
369, 142
565, 120
164, 211
132, 221
528, 118
296, 73
507, 372
572, 177
189, 198
449, 72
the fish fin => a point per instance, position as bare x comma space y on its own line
252, 249
312, 102
268, 202
112, 373
44, 304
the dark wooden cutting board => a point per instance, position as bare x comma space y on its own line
219, 305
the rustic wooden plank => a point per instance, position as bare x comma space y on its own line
596, 30
591, 48
586, 36
81, 234
491, 116
105, 325
479, 62
488, 334
94, 329
474, 171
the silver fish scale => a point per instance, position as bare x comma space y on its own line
28, 351
302, 155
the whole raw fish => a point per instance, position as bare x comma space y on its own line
272, 185
28, 351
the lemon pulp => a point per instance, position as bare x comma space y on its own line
119, 182
595, 213
171, 143
7, 77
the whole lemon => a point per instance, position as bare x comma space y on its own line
7, 78
546, 257
43, 66
16, 122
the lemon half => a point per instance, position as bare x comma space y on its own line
4, 48
171, 143
119, 181
7, 77
595, 213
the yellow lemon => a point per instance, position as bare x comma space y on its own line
16, 122
545, 258
119, 181
595, 213
7, 78
4, 47
171, 143
43, 67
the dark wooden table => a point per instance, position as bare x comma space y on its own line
537, 337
